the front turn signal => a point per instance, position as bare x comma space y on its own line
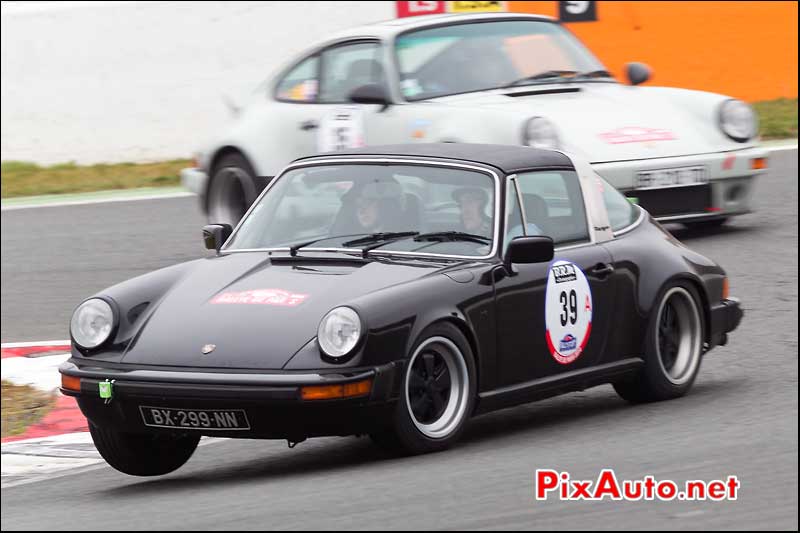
334, 392
725, 289
70, 383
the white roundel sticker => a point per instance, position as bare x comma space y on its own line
568, 311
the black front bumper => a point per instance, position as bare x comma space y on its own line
272, 402
725, 317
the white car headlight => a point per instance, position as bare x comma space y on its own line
737, 120
339, 331
92, 323
540, 133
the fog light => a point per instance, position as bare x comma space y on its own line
332, 392
70, 383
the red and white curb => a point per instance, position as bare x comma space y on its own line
36, 364
60, 442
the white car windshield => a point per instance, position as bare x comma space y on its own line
388, 208
478, 56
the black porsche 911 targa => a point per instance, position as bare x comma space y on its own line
395, 292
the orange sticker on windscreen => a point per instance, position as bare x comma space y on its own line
277, 297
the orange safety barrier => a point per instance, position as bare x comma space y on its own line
747, 50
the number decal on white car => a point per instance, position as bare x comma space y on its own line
342, 128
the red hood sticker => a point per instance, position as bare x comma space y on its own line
261, 297
636, 134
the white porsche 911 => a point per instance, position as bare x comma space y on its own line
685, 156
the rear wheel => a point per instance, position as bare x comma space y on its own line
438, 395
232, 189
673, 348
143, 454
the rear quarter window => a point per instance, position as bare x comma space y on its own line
621, 213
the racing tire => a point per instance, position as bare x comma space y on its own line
231, 190
143, 454
673, 348
438, 394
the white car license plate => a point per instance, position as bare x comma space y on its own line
206, 419
671, 177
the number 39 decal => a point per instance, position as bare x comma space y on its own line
568, 311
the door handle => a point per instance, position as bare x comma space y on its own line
309, 125
601, 270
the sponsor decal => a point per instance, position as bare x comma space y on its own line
564, 273
413, 9
568, 343
419, 128
277, 297
476, 7
636, 134
568, 311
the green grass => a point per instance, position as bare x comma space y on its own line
777, 118
22, 406
21, 178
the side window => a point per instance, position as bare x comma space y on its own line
346, 67
300, 84
620, 211
553, 205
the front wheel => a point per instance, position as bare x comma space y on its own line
673, 348
143, 454
438, 395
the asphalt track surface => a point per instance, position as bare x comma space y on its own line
740, 418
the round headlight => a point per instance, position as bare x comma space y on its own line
339, 331
91, 323
738, 120
540, 133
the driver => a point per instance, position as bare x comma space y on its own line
377, 208
472, 201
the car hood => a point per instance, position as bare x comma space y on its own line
257, 313
612, 122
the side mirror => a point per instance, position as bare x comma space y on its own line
637, 73
215, 235
372, 93
526, 250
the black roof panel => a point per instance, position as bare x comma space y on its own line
507, 158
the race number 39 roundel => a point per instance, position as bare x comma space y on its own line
568, 311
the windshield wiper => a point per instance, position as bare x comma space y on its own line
547, 74
593, 74
377, 237
452, 236
293, 249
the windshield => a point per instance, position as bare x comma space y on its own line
478, 56
407, 208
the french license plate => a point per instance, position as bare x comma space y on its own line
206, 419
671, 177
